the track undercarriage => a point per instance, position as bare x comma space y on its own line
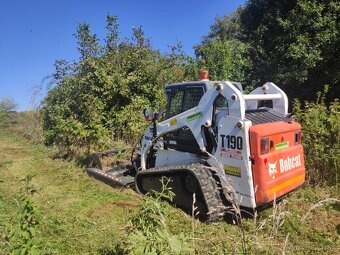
185, 181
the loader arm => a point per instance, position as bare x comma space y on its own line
196, 117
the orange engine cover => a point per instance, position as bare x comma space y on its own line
278, 160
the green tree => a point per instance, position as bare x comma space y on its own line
112, 36
227, 27
7, 104
101, 98
62, 69
294, 44
222, 52
224, 59
88, 44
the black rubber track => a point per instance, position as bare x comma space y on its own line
183, 178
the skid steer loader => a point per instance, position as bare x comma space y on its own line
214, 137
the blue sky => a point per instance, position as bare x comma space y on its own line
35, 33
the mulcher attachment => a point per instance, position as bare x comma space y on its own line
115, 177
119, 176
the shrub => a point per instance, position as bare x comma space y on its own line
30, 126
21, 230
321, 134
7, 104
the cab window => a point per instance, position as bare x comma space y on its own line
181, 99
193, 96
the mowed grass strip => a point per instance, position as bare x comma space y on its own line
77, 214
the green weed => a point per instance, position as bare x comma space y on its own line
150, 233
21, 231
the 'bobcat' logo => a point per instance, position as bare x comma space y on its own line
272, 169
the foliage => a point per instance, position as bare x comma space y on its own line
101, 97
27, 125
3, 118
221, 51
321, 134
112, 36
88, 45
225, 59
8, 119
150, 231
21, 234
294, 43
228, 26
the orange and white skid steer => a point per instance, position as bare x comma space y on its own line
214, 137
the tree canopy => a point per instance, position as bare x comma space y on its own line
101, 97
294, 44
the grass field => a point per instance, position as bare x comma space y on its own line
79, 215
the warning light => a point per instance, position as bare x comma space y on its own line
204, 75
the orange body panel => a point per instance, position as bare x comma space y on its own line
282, 168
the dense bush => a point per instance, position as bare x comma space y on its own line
7, 106
321, 134
101, 98
223, 53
